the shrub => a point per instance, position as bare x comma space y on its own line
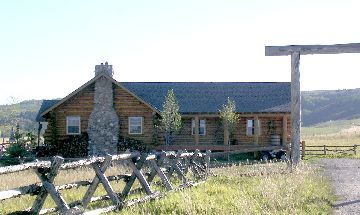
16, 154
126, 143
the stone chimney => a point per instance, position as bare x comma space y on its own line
103, 124
104, 68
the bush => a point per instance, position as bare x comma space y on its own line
71, 147
16, 154
74, 146
126, 143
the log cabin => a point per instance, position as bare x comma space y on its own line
105, 110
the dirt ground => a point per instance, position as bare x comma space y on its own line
345, 177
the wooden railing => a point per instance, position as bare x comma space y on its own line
327, 149
165, 164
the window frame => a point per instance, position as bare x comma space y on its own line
68, 118
130, 125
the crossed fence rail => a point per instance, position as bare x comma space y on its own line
163, 164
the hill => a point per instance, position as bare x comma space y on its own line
23, 113
322, 106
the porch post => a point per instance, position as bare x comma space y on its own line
256, 130
284, 130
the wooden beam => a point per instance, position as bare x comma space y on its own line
284, 131
256, 130
312, 49
295, 108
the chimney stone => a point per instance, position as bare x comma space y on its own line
106, 68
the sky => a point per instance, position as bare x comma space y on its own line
50, 48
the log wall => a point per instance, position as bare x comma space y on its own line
126, 105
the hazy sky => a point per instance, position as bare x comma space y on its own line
50, 48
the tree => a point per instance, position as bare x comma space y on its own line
170, 117
229, 118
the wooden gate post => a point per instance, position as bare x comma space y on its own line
295, 108
303, 150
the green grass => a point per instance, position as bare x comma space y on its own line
304, 191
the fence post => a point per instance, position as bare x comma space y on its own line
302, 149
324, 149
355, 148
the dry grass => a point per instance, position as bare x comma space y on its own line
15, 180
229, 192
301, 192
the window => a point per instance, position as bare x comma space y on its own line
135, 125
202, 127
73, 125
250, 127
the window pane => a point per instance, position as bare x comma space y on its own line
73, 129
135, 125
135, 120
73, 124
202, 127
135, 129
250, 123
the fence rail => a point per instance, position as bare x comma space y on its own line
165, 165
327, 149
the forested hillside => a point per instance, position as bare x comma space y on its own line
322, 106
23, 113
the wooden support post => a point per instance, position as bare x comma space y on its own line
324, 149
256, 130
197, 130
355, 148
153, 171
207, 162
106, 184
140, 176
226, 136
284, 131
139, 165
96, 180
295, 108
162, 175
49, 178
303, 150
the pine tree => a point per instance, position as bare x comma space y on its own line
170, 117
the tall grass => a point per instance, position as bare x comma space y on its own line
232, 190
304, 191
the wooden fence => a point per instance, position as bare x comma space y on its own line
326, 149
165, 164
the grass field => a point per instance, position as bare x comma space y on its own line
301, 192
344, 132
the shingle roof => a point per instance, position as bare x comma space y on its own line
208, 97
46, 104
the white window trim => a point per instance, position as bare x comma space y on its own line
141, 125
67, 125
193, 126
